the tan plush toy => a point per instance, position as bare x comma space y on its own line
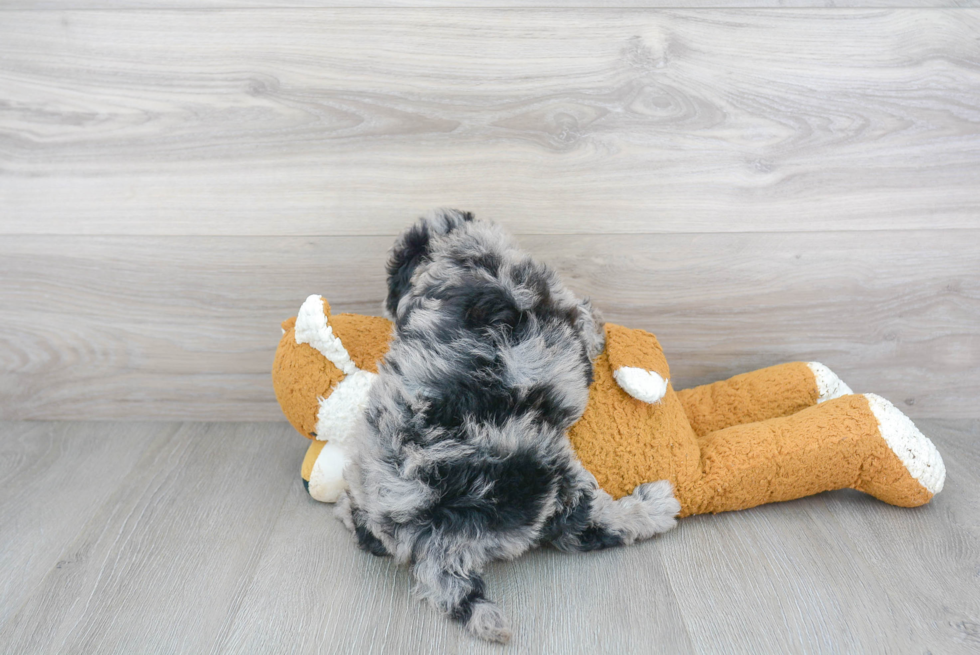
778, 433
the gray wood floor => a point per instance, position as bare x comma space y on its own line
194, 538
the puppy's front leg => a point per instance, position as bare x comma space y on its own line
598, 521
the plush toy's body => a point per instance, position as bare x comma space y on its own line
774, 434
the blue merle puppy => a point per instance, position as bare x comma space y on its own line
463, 456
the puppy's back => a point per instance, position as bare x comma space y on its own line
464, 457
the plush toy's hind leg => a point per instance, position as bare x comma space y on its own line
857, 441
767, 393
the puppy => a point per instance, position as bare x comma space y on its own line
462, 456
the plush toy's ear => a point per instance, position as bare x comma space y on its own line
313, 327
638, 363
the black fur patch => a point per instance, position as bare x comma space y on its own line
573, 520
577, 522
365, 538
598, 538
413, 249
464, 610
487, 494
480, 394
368, 542
475, 304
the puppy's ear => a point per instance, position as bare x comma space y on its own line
413, 248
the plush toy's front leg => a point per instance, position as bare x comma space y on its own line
855, 441
323, 471
759, 395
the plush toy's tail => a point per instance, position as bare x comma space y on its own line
854, 441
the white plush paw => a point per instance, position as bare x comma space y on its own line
327, 477
828, 384
914, 449
641, 384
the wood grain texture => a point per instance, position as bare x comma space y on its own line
214, 546
865, 577
162, 563
342, 600
186, 327
53, 478
499, 4
344, 121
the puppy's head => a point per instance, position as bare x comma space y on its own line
491, 320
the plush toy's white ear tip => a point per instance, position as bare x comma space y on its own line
313, 328
327, 477
641, 384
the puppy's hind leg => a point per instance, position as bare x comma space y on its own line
351, 516
598, 521
457, 590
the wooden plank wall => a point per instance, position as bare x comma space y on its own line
753, 185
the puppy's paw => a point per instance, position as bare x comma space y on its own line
488, 622
344, 511
659, 505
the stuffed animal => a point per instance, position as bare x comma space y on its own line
779, 433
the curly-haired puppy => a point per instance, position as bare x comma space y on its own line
463, 456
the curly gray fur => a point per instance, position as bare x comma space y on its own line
463, 456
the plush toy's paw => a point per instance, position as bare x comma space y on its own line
828, 384
917, 453
327, 477
641, 384
488, 622
660, 505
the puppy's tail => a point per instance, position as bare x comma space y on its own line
460, 594
413, 247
